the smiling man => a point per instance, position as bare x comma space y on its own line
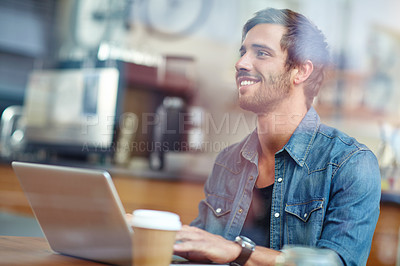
293, 180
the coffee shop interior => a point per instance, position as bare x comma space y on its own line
145, 89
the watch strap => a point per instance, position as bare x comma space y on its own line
243, 257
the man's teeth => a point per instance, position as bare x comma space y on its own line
247, 82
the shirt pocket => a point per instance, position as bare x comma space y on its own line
304, 221
219, 206
214, 212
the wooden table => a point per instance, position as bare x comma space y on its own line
34, 251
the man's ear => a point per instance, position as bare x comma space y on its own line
303, 72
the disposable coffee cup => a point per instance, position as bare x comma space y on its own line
154, 235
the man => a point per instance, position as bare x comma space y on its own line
319, 187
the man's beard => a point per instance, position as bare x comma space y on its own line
267, 98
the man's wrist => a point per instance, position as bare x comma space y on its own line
236, 250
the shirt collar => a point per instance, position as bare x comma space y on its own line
300, 142
298, 145
251, 146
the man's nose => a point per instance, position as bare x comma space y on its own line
243, 63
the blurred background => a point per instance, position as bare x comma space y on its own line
148, 86
145, 88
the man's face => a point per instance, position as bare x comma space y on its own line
261, 77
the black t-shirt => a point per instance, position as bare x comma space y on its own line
257, 223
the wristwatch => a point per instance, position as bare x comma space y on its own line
248, 247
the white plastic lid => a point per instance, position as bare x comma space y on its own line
159, 220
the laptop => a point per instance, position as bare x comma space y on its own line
78, 210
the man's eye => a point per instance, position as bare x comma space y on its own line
262, 53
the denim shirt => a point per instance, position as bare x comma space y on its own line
326, 192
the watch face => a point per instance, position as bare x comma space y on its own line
246, 242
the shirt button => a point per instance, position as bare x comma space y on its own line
240, 211
277, 215
251, 178
280, 179
219, 210
305, 215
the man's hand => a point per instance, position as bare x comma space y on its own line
198, 245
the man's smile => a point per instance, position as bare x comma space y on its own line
247, 82
244, 79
